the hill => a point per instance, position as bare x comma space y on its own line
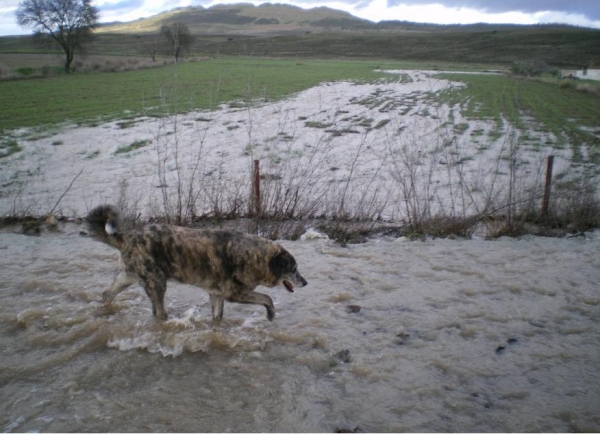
558, 47
277, 30
245, 18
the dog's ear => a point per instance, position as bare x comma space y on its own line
282, 263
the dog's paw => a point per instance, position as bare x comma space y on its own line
107, 297
270, 314
161, 315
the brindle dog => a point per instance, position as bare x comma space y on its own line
229, 265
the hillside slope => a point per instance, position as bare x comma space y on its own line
243, 19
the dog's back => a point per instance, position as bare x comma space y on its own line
196, 256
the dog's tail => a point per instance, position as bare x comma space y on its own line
104, 224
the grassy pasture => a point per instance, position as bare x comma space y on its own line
93, 97
561, 111
195, 85
559, 47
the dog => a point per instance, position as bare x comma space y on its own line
229, 265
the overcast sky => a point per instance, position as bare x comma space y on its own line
577, 12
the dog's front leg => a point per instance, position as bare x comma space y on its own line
122, 281
216, 302
256, 298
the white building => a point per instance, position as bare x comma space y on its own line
585, 73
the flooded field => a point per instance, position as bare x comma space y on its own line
376, 150
388, 335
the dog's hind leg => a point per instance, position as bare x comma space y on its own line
216, 303
122, 281
256, 298
155, 287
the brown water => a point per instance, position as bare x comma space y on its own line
451, 336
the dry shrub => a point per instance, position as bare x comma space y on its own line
451, 226
585, 87
7, 73
588, 88
112, 64
576, 206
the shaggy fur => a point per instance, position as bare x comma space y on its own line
229, 265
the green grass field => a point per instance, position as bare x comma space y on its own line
96, 97
89, 97
561, 111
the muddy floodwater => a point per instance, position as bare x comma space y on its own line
390, 335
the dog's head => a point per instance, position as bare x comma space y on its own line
284, 268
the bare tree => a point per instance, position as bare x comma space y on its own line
152, 48
178, 38
69, 23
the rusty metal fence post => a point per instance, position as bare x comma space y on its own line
547, 187
256, 208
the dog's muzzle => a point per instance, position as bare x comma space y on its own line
298, 280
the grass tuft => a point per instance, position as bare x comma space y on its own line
9, 147
132, 147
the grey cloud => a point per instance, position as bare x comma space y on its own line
589, 8
8, 20
124, 5
346, 2
200, 2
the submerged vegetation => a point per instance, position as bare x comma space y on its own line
9, 147
190, 86
564, 112
132, 147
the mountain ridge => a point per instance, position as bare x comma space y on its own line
241, 18
277, 18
